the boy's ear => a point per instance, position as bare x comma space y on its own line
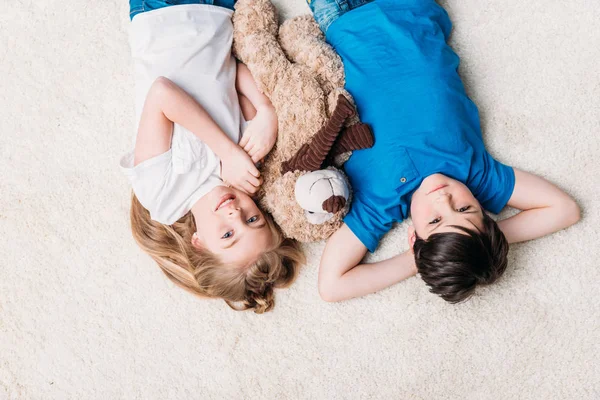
412, 237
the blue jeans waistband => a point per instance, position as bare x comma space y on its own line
139, 6
327, 11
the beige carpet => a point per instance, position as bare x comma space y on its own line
85, 315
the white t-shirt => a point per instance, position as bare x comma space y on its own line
190, 45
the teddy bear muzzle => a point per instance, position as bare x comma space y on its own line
322, 194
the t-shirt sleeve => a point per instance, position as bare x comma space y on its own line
166, 194
148, 178
366, 223
492, 183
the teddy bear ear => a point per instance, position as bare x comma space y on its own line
311, 156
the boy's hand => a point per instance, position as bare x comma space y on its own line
238, 170
261, 133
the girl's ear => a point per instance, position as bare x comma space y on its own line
412, 237
196, 242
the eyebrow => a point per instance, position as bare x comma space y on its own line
237, 237
468, 220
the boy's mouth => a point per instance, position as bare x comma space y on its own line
223, 201
438, 188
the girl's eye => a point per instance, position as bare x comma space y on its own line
227, 235
253, 219
435, 221
464, 209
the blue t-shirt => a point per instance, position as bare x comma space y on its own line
405, 82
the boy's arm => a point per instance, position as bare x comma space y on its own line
341, 276
261, 133
546, 209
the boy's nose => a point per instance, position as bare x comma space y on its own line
443, 202
444, 198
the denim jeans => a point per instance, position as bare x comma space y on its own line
140, 6
327, 11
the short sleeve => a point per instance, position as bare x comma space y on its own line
148, 178
491, 182
367, 223
167, 195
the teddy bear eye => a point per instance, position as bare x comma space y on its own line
311, 212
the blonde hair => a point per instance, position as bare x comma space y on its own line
202, 273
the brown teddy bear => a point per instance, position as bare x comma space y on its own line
304, 79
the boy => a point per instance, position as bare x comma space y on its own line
428, 158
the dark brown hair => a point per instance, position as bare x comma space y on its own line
452, 264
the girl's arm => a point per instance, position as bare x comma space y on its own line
167, 103
546, 209
342, 276
261, 133
246, 86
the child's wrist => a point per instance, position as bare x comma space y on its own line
265, 108
224, 147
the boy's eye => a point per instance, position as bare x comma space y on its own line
253, 219
464, 209
435, 221
227, 235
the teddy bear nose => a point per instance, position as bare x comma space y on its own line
334, 204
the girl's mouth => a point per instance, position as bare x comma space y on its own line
223, 201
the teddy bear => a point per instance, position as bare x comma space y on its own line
317, 120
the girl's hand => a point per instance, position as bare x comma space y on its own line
238, 170
261, 133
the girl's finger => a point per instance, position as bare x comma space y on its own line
248, 147
245, 139
253, 180
253, 170
248, 188
257, 153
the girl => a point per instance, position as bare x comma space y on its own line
191, 210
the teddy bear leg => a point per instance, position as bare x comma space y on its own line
255, 42
354, 137
304, 43
311, 156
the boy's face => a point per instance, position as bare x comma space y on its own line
441, 203
230, 225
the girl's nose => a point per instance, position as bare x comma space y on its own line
233, 211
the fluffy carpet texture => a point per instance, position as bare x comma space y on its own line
85, 315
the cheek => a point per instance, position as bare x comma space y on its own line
466, 197
207, 226
419, 209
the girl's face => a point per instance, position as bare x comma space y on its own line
231, 226
440, 204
